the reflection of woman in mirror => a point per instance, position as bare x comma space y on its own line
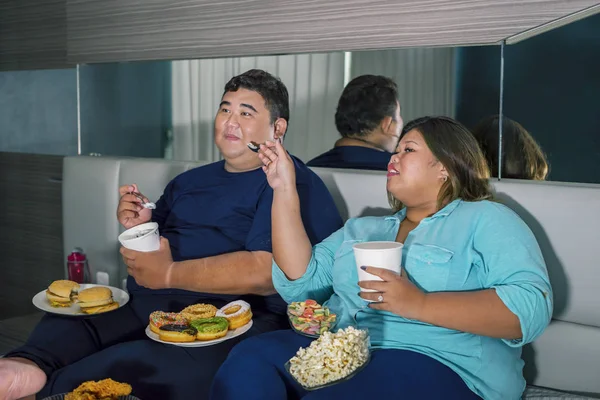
522, 157
473, 288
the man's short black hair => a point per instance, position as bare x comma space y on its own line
271, 88
364, 103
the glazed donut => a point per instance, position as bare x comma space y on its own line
160, 318
237, 312
210, 328
198, 311
177, 333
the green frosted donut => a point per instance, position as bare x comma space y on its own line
210, 325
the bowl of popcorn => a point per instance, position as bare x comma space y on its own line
309, 318
330, 359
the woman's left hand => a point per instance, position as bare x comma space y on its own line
399, 294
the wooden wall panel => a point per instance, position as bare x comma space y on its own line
33, 34
31, 250
126, 30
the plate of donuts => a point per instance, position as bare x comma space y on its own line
200, 324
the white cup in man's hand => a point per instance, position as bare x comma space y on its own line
386, 255
143, 237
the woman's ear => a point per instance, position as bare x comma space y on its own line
443, 173
280, 128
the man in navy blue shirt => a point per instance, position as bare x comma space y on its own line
215, 223
368, 118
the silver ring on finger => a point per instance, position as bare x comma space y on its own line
380, 298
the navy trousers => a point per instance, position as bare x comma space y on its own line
72, 350
255, 370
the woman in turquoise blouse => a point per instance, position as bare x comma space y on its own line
473, 289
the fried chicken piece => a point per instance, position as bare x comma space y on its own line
80, 396
106, 389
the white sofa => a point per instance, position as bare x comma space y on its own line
564, 218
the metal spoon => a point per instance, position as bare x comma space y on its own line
254, 146
148, 205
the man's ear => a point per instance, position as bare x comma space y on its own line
386, 125
280, 128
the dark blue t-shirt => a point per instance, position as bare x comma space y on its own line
353, 157
208, 211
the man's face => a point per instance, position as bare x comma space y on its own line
242, 117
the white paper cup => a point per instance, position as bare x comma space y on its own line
386, 255
142, 237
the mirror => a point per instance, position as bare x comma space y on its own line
551, 105
166, 109
125, 108
38, 111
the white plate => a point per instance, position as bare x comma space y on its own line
198, 343
41, 301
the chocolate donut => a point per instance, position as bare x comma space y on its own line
177, 333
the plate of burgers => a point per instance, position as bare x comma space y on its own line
70, 298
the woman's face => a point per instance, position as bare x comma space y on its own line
415, 176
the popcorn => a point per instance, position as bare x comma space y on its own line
331, 357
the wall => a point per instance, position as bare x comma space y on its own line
33, 34
31, 233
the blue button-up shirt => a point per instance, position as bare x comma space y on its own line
463, 247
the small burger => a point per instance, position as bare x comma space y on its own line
97, 299
62, 293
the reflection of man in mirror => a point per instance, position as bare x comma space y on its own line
522, 157
368, 118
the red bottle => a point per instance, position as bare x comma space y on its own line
77, 266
